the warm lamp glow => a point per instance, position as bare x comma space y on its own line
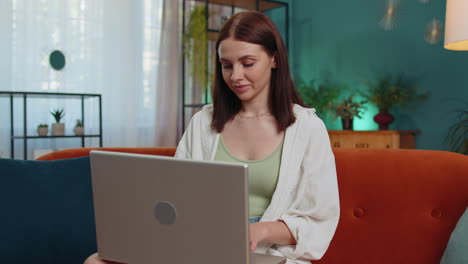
456, 25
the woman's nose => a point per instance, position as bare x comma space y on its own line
237, 73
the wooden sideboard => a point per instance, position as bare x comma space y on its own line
382, 139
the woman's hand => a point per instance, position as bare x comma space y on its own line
258, 233
94, 259
270, 232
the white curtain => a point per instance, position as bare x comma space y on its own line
115, 48
168, 94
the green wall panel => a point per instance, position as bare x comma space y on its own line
342, 40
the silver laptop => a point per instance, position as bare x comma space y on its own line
153, 209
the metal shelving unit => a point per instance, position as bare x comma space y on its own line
31, 95
233, 6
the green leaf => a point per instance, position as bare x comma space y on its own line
457, 136
393, 90
195, 40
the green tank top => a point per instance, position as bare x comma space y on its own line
263, 176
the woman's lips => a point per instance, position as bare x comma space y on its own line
240, 88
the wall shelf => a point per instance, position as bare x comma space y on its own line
71, 136
34, 95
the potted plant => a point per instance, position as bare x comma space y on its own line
456, 139
42, 130
390, 91
319, 96
79, 129
195, 43
58, 129
347, 110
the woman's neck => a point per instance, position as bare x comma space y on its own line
255, 107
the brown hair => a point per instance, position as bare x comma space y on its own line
255, 27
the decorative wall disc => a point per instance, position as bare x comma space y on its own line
57, 60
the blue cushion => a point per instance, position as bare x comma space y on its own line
457, 247
46, 211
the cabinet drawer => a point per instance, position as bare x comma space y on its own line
365, 141
390, 139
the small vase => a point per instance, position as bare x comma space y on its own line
79, 131
42, 131
383, 118
58, 129
347, 123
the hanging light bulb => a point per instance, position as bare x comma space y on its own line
388, 21
433, 32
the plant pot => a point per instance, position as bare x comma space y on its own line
383, 118
42, 131
79, 131
58, 129
347, 123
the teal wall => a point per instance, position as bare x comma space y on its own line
342, 39
278, 15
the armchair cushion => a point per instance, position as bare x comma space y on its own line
46, 207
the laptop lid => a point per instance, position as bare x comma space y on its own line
152, 209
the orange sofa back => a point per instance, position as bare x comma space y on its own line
82, 152
397, 206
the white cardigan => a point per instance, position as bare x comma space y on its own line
306, 196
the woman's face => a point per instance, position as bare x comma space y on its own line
246, 69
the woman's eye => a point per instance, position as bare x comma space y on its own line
248, 64
227, 66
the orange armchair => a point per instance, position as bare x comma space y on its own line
397, 206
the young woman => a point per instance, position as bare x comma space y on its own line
258, 118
